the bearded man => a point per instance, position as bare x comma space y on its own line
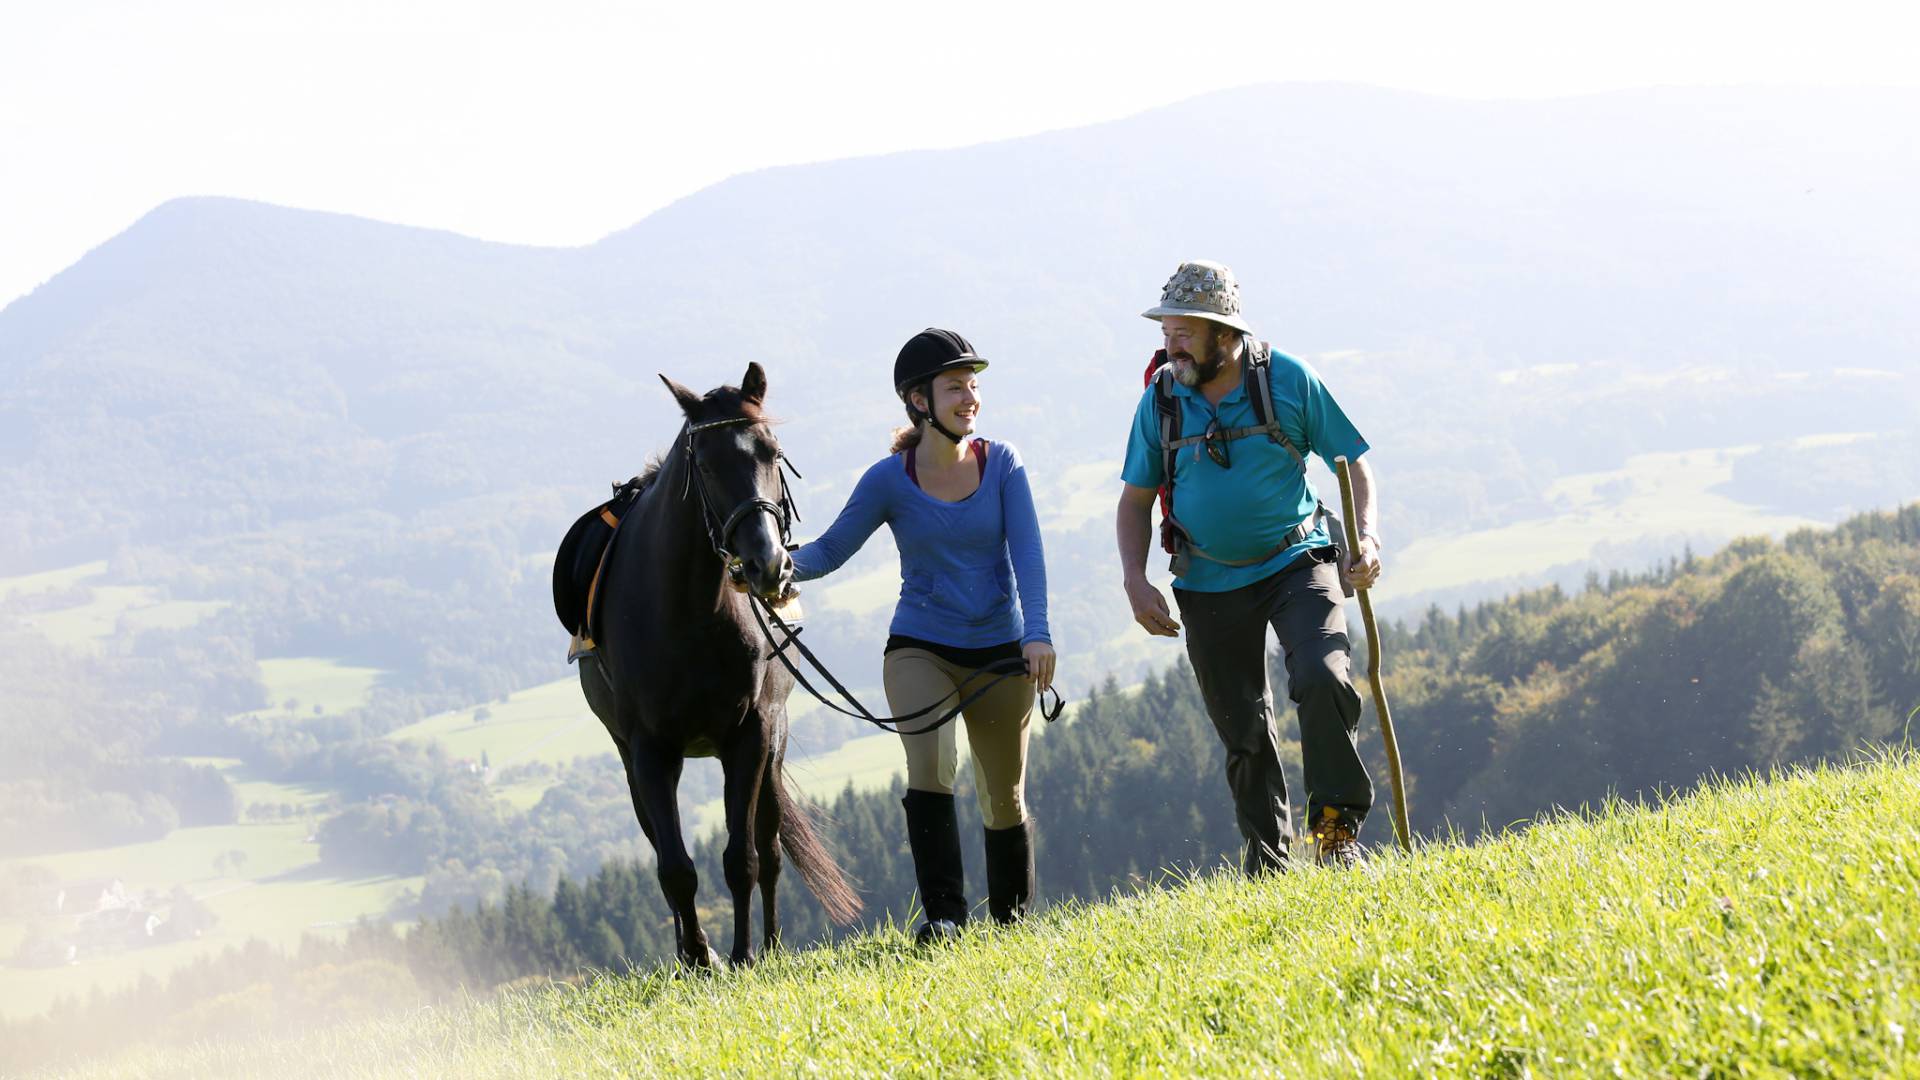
1252, 547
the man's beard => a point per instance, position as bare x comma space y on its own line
1195, 372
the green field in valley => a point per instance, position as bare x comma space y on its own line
1653, 496
548, 723
248, 789
310, 682
551, 723
106, 609
1712, 937
50, 580
276, 893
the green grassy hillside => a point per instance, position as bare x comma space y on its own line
1757, 927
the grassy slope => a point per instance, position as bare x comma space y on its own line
1758, 927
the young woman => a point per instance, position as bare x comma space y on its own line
962, 516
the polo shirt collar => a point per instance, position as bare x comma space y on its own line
1238, 393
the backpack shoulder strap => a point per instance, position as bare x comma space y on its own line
1260, 397
1168, 409
1259, 383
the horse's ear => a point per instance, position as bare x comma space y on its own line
689, 401
753, 385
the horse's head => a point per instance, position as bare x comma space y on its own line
733, 466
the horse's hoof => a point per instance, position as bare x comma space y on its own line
740, 960
937, 932
707, 961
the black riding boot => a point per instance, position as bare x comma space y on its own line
1009, 872
933, 835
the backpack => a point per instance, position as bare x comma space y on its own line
1257, 376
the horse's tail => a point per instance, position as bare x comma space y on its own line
823, 876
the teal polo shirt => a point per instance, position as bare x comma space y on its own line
1242, 511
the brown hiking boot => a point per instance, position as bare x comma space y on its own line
1335, 842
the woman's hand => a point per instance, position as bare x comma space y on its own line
1040, 660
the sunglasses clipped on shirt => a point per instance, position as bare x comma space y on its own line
1214, 441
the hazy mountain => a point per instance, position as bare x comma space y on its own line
1500, 292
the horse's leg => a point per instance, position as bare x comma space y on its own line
653, 776
746, 768
633, 791
766, 841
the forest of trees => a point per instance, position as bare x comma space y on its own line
1762, 654
86, 735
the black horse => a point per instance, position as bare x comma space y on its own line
680, 669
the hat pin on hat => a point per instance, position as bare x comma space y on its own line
1203, 290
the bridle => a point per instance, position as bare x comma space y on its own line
720, 530
720, 534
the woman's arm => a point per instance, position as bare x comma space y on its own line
1029, 570
1023, 544
865, 511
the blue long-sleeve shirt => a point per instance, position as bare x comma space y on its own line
959, 561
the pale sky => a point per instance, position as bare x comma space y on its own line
559, 122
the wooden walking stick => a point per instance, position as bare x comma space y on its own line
1373, 665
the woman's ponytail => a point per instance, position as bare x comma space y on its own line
906, 438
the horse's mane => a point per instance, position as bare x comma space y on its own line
651, 469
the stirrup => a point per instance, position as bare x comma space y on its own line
580, 646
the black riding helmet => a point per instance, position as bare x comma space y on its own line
926, 354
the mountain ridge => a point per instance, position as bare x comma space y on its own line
1418, 249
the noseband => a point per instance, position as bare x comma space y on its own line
720, 530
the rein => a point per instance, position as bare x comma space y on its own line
786, 512
1000, 670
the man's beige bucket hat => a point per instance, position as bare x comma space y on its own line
1204, 290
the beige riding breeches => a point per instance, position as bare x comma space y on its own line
996, 731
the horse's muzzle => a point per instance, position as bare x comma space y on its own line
768, 579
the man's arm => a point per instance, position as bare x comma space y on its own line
1363, 567
1133, 531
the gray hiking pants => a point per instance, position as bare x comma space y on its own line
1227, 644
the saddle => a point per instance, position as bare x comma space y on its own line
578, 564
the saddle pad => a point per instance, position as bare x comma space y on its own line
579, 556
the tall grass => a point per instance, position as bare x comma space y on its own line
1759, 927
